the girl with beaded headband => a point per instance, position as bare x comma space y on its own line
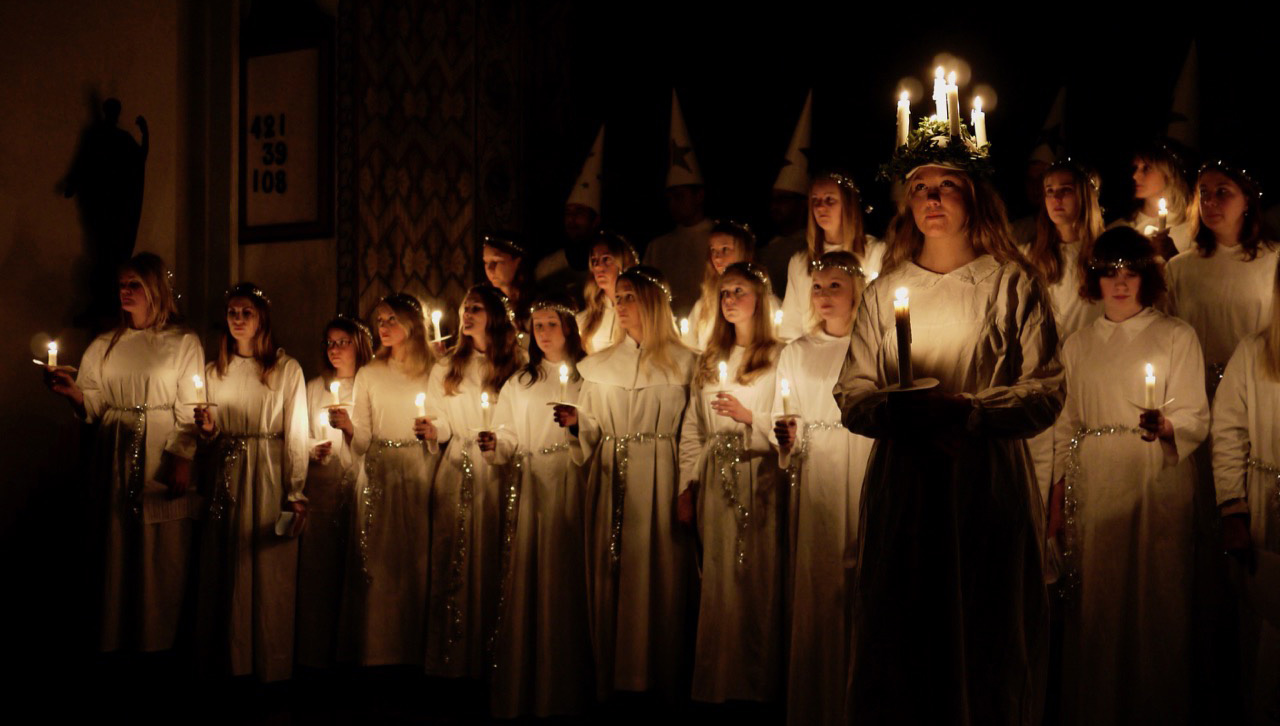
624, 431
506, 266
132, 383
825, 464
542, 643
950, 472
1222, 286
598, 324
835, 223
727, 243
1122, 506
1246, 471
331, 475
727, 471
254, 441
1158, 173
383, 620
466, 510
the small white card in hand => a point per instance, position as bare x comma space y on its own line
284, 524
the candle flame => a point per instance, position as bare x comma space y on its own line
564, 371
724, 369
1164, 206
436, 315
977, 103
872, 275
684, 326
900, 295
1151, 371
484, 399
937, 73
777, 317
333, 388
53, 347
197, 381
951, 78
904, 96
420, 399
785, 386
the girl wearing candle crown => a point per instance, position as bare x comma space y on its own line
384, 608
1246, 464
826, 464
466, 501
542, 645
1158, 175
624, 430
132, 383
726, 466
835, 223
950, 589
1127, 497
255, 444
728, 242
331, 477
610, 255
1069, 220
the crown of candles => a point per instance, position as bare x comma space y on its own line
942, 139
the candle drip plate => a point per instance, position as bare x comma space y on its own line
562, 403
919, 384
67, 369
198, 404
1143, 407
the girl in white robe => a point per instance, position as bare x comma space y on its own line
466, 502
826, 464
1157, 174
132, 383
727, 468
950, 607
384, 602
255, 443
331, 480
1127, 498
835, 223
542, 643
624, 431
610, 255
728, 242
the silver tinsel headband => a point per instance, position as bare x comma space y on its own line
550, 305
850, 270
356, 322
1233, 171
1105, 266
751, 269
405, 299
636, 271
506, 243
247, 289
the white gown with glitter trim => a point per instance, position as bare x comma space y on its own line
1225, 297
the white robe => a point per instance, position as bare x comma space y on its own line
257, 462
466, 530
542, 645
149, 536
385, 590
702, 320
1224, 297
681, 255
322, 548
738, 648
1246, 464
1180, 233
1127, 639
950, 589
797, 317
638, 600
603, 336
826, 469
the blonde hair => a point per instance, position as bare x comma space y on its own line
1177, 193
658, 334
624, 257
161, 301
504, 356
1045, 254
760, 355
408, 312
854, 237
847, 263
262, 347
745, 240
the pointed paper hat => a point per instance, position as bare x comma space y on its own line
586, 190
1053, 133
682, 164
1184, 116
794, 175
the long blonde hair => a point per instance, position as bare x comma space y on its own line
624, 256
156, 288
1045, 253
1177, 193
854, 236
408, 312
760, 355
745, 240
658, 335
504, 356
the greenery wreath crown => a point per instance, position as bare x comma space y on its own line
930, 143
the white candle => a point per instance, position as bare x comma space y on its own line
939, 94
485, 412
777, 323
420, 401
953, 104
435, 322
202, 396
564, 383
684, 326
333, 388
53, 354
979, 121
785, 387
904, 118
902, 319
1149, 400
1163, 213
724, 373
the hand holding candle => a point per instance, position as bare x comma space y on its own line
1149, 390
435, 323
902, 319
564, 382
421, 402
53, 354
333, 389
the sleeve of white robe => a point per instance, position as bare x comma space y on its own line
1069, 421
435, 407
1231, 425
692, 439
795, 304
1189, 411
182, 439
297, 429
362, 416
89, 380
584, 444
504, 422
856, 391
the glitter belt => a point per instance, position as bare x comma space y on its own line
371, 493
233, 447
457, 562
134, 483
621, 456
1213, 377
802, 447
1272, 542
1070, 581
726, 453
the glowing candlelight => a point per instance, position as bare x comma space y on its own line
979, 121
53, 354
333, 388
902, 318
1149, 399
904, 117
953, 104
785, 387
724, 372
435, 322
939, 95
777, 323
485, 412
420, 401
564, 382
202, 395
684, 326
1163, 214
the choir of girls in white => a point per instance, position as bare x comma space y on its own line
570, 504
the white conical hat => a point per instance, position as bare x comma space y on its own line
794, 175
682, 164
1053, 133
1184, 116
586, 190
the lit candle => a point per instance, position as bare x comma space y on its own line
724, 373
902, 317
564, 383
1163, 214
53, 354
485, 412
333, 388
435, 322
1149, 400
953, 104
777, 323
904, 118
939, 94
202, 396
785, 386
420, 401
979, 121
684, 326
